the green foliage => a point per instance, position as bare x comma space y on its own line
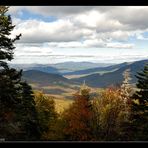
110, 116
18, 114
47, 115
18, 118
6, 43
140, 107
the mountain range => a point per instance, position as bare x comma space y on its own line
113, 78
51, 81
112, 75
60, 68
43, 78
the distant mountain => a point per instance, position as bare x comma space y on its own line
24, 66
47, 69
59, 68
97, 69
115, 77
40, 67
42, 78
75, 66
53, 84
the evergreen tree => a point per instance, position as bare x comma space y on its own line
27, 114
140, 107
18, 119
6, 43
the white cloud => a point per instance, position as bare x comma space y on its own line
27, 50
119, 45
35, 31
90, 22
141, 37
58, 11
78, 27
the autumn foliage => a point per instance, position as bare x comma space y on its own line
78, 118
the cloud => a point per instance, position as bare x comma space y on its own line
134, 17
80, 26
26, 50
65, 33
58, 11
77, 27
119, 45
34, 31
141, 37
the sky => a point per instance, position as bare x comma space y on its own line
100, 34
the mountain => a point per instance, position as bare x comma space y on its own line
53, 84
59, 68
97, 69
46, 69
39, 67
42, 78
75, 66
115, 77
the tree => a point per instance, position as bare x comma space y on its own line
47, 115
107, 108
140, 107
78, 118
6, 43
126, 92
8, 101
27, 114
18, 119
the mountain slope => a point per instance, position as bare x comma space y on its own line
116, 77
97, 69
53, 84
47, 69
59, 68
75, 66
35, 76
40, 67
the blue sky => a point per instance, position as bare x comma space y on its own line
52, 34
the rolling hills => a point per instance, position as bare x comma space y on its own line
43, 78
100, 70
115, 77
53, 84
59, 68
58, 85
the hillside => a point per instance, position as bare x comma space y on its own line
53, 84
99, 70
67, 67
35, 76
115, 77
59, 68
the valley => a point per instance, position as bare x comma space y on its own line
62, 86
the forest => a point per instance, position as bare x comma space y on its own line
117, 113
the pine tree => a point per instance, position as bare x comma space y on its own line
6, 43
140, 106
27, 114
17, 111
